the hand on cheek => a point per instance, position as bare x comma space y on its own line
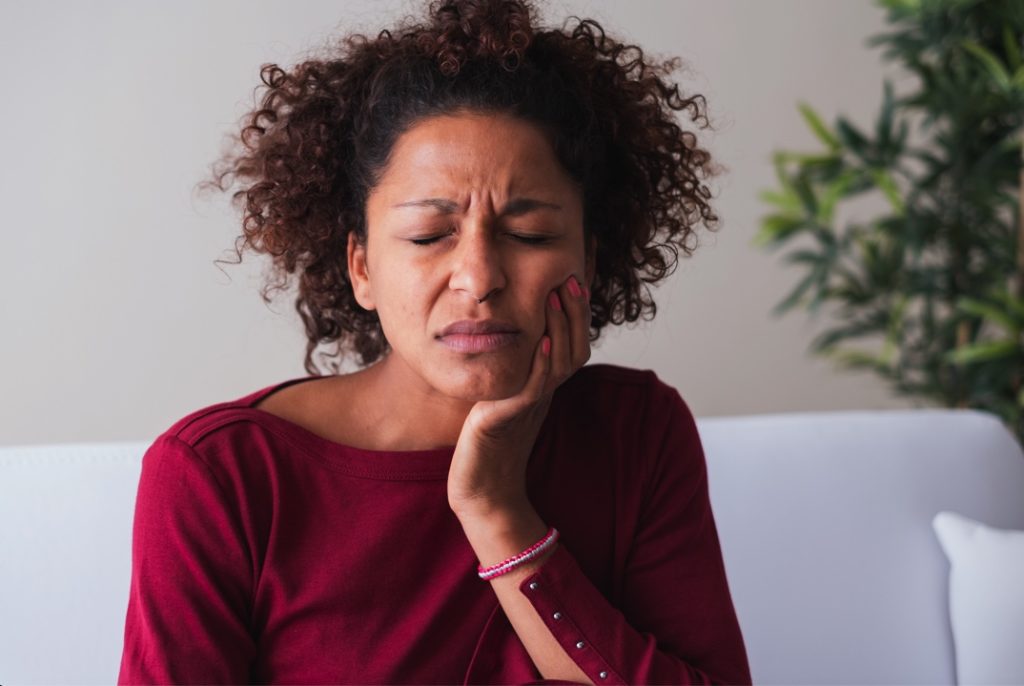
488, 469
568, 330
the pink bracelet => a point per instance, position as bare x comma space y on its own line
516, 560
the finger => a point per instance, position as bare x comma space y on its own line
540, 371
577, 305
558, 329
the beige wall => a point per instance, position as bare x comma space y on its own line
116, 322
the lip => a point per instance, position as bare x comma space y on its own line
477, 326
478, 336
478, 342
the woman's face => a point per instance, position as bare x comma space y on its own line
471, 206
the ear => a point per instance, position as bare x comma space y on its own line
359, 273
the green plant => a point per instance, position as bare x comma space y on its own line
940, 276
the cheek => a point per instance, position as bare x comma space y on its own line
553, 275
399, 301
408, 305
542, 281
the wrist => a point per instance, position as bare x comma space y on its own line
493, 512
503, 534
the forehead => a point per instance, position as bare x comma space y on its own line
487, 151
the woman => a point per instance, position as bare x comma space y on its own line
468, 202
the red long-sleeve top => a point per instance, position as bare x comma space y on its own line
265, 553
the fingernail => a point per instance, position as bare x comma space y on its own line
545, 345
553, 299
574, 287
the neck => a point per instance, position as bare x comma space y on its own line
410, 414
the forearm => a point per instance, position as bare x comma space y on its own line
497, 538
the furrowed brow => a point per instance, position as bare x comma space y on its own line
515, 207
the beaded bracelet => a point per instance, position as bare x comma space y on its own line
516, 560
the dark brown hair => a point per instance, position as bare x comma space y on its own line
312, 150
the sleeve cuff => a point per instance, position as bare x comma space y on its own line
556, 593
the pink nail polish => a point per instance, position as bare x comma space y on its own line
553, 299
574, 287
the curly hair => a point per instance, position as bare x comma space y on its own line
309, 154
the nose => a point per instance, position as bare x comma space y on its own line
477, 267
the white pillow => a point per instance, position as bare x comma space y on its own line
986, 599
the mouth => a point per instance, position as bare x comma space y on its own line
478, 342
478, 326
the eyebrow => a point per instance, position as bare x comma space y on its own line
515, 207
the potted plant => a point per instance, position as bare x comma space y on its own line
940, 275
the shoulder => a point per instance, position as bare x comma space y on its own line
622, 399
613, 385
605, 373
639, 414
201, 433
228, 448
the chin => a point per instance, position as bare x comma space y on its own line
484, 384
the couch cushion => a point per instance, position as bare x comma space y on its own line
825, 522
65, 532
986, 598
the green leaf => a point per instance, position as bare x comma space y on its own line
854, 359
991, 62
1012, 49
827, 340
981, 352
812, 160
851, 288
777, 228
885, 182
779, 163
833, 193
806, 194
852, 138
901, 135
883, 128
1013, 303
783, 156
818, 127
901, 8
804, 256
932, 161
989, 312
894, 334
795, 296
785, 200
1013, 306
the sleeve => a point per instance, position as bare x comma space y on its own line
191, 580
677, 624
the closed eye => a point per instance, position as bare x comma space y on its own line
522, 238
425, 241
530, 240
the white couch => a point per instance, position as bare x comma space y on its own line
825, 521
